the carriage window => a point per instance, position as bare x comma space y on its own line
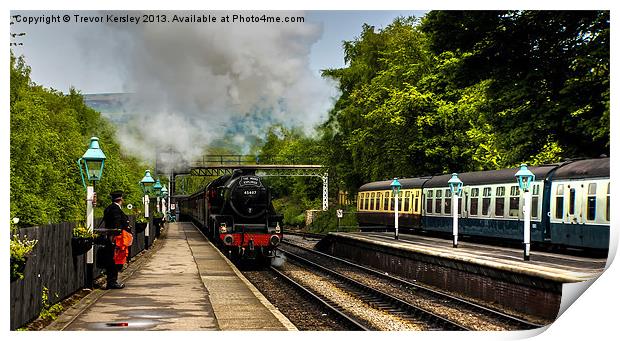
571, 201
386, 201
429, 202
438, 201
406, 203
559, 202
486, 200
536, 190
499, 201
473, 203
378, 201
607, 211
591, 209
513, 209
367, 202
372, 201
535, 207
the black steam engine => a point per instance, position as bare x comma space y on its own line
236, 212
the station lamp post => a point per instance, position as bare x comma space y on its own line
395, 189
91, 163
157, 191
525, 178
456, 186
146, 184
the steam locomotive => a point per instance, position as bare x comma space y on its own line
235, 211
570, 205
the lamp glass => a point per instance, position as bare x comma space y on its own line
93, 169
395, 186
525, 178
456, 185
147, 182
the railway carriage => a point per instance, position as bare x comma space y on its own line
579, 205
570, 204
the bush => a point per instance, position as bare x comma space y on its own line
80, 231
20, 250
327, 221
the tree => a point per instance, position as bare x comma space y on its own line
49, 132
547, 75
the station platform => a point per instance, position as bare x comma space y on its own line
184, 283
492, 274
558, 267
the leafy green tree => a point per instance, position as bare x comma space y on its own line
49, 132
469, 90
547, 76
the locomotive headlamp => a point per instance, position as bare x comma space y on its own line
278, 227
456, 185
92, 162
223, 228
525, 178
274, 240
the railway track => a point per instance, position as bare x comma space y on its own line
301, 306
467, 313
390, 305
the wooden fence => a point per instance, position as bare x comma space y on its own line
54, 266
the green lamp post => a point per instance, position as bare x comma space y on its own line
146, 184
91, 163
395, 189
525, 178
157, 191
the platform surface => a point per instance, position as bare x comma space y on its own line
185, 285
557, 267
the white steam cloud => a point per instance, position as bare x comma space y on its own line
193, 81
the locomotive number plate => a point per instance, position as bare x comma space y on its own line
250, 193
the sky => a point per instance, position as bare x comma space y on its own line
61, 55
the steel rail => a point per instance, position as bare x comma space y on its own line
501, 316
394, 305
340, 315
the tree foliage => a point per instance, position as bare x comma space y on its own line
469, 90
49, 132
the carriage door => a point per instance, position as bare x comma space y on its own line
465, 208
573, 198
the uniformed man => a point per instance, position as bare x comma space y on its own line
118, 241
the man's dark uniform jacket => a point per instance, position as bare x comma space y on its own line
115, 218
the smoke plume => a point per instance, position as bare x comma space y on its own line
191, 81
